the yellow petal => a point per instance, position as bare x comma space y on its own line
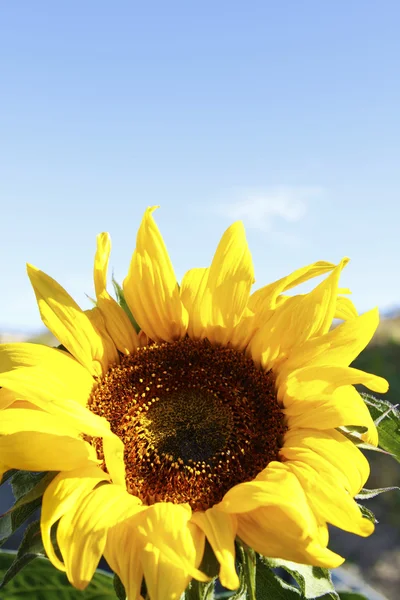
65, 493
338, 347
273, 533
343, 408
313, 382
216, 298
220, 530
243, 333
273, 486
172, 550
330, 501
71, 380
37, 441
192, 292
66, 452
82, 532
323, 398
330, 453
109, 354
7, 398
266, 297
116, 320
37, 385
230, 278
298, 319
63, 317
122, 553
345, 309
151, 289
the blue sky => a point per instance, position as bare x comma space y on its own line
283, 114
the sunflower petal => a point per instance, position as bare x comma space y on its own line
217, 297
151, 289
37, 385
299, 319
172, 550
230, 278
330, 453
82, 532
220, 530
110, 354
266, 297
70, 378
275, 485
65, 492
7, 398
63, 317
338, 347
345, 309
324, 398
122, 552
23, 428
116, 320
330, 501
273, 533
192, 293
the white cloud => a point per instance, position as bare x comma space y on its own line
263, 209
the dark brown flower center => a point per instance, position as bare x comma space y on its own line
195, 420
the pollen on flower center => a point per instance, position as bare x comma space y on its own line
195, 419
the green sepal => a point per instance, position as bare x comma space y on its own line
119, 292
366, 494
367, 513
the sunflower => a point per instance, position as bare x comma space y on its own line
201, 412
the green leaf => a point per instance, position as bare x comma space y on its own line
36, 491
41, 581
119, 292
14, 518
28, 489
269, 585
314, 582
30, 548
24, 482
367, 494
7, 475
387, 417
359, 442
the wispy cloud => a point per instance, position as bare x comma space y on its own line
266, 209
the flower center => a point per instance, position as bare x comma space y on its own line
195, 420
